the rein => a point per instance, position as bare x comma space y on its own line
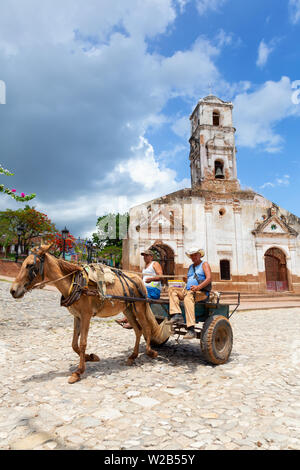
36, 286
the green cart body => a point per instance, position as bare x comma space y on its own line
212, 325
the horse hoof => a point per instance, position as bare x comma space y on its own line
74, 378
92, 358
129, 362
153, 354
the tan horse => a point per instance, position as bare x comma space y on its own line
139, 315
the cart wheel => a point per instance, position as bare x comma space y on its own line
216, 339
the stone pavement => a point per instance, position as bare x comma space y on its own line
174, 402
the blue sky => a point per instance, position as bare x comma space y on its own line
98, 98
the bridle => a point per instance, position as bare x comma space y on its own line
35, 269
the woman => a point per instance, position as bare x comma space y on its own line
151, 276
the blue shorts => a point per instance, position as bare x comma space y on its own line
153, 292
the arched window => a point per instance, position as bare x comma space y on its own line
219, 170
216, 118
225, 270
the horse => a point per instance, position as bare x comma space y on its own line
40, 267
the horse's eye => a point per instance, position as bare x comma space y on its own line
29, 266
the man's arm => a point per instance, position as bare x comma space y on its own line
207, 272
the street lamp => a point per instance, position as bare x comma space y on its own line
89, 246
20, 232
65, 233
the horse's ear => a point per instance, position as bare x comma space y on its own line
43, 249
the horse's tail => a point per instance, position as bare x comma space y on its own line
159, 333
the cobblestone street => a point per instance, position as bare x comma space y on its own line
175, 402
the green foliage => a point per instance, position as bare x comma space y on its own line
112, 228
11, 192
35, 224
112, 252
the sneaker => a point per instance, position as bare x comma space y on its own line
191, 334
175, 318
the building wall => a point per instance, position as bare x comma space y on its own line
224, 228
215, 214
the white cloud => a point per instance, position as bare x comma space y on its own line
203, 6
83, 88
54, 22
294, 6
264, 51
182, 4
182, 127
131, 183
257, 113
145, 170
283, 181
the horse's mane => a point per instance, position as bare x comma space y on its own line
67, 267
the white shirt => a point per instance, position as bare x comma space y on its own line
148, 273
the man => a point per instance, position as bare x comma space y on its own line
151, 276
197, 289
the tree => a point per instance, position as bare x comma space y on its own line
112, 228
58, 243
12, 192
112, 253
35, 224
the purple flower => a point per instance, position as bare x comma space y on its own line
22, 194
13, 190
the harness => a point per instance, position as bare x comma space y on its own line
79, 284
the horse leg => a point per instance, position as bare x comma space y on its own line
138, 334
84, 329
76, 334
146, 328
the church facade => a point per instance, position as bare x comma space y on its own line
251, 244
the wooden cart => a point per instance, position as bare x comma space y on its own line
212, 328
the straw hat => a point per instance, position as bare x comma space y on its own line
147, 252
193, 251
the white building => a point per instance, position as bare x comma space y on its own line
250, 243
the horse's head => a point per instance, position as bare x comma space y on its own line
32, 272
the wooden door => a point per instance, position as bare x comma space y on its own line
276, 270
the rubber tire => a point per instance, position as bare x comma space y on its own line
216, 339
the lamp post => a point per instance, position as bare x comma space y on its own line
20, 232
65, 233
89, 246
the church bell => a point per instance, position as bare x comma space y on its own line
219, 173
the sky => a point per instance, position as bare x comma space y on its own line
99, 94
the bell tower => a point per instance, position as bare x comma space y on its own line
213, 151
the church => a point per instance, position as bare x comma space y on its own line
251, 244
